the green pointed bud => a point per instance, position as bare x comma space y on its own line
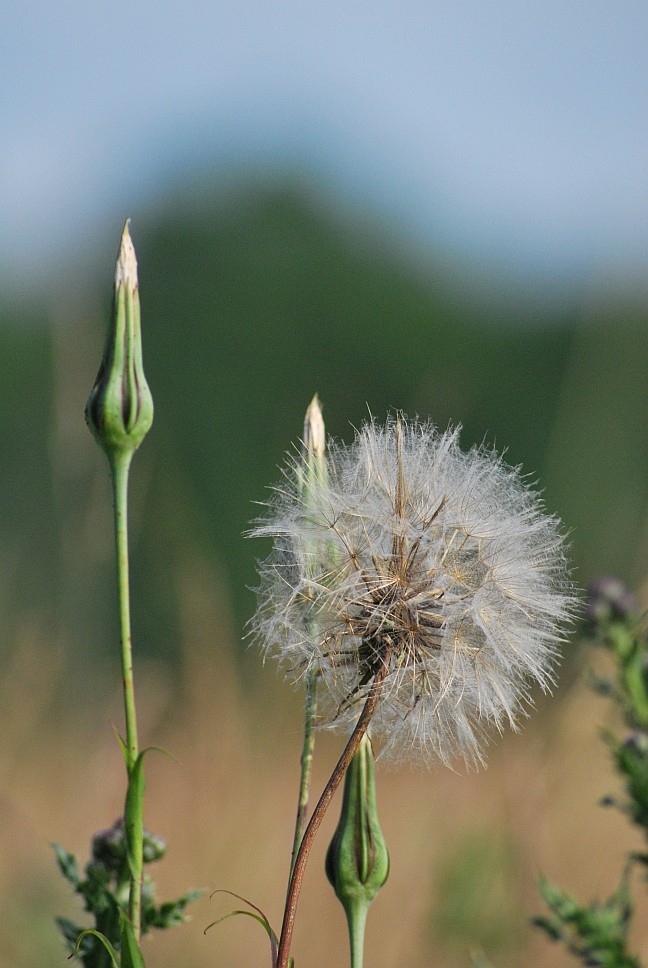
119, 411
311, 470
357, 861
313, 476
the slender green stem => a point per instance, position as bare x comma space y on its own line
120, 469
299, 865
120, 465
310, 710
357, 926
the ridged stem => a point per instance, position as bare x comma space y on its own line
120, 465
306, 764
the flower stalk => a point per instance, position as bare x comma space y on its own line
120, 468
119, 413
313, 469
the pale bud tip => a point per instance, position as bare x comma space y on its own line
314, 432
126, 268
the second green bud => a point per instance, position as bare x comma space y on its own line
357, 861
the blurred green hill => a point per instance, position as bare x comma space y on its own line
253, 299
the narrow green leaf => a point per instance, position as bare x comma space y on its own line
123, 747
131, 956
134, 812
259, 917
114, 957
134, 816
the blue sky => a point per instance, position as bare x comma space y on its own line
514, 133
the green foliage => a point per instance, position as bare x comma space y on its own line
104, 890
597, 933
631, 759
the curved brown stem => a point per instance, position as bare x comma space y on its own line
297, 876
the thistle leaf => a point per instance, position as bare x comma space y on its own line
67, 864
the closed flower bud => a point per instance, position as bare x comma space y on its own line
357, 861
609, 600
109, 846
119, 411
637, 741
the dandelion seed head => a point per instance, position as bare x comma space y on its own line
438, 562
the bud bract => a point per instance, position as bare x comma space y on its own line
119, 411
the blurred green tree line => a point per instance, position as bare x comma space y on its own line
253, 300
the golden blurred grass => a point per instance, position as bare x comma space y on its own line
465, 849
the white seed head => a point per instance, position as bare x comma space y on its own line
438, 562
